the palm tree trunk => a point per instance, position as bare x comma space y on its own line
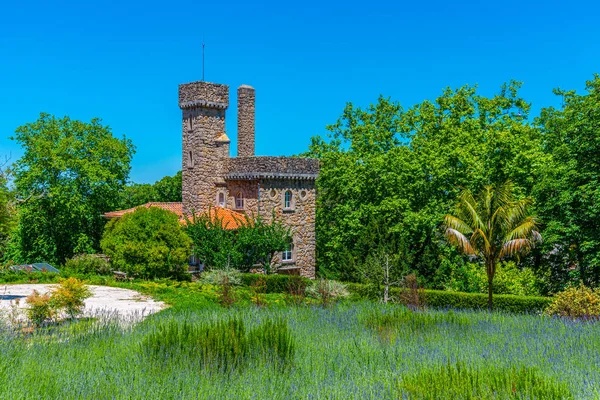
490, 269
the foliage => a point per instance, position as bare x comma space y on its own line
257, 241
492, 227
576, 302
40, 307
70, 295
7, 210
402, 170
568, 198
412, 294
218, 276
88, 264
254, 243
509, 279
221, 346
276, 283
70, 174
458, 380
167, 189
439, 299
382, 270
327, 291
148, 243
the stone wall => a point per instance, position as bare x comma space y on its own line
246, 101
272, 167
300, 218
203, 94
205, 148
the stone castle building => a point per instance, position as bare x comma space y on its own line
270, 187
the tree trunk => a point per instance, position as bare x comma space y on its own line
490, 269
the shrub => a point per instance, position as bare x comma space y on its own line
412, 294
88, 264
218, 276
297, 288
40, 307
148, 242
225, 279
327, 291
275, 283
70, 296
457, 300
576, 302
259, 288
509, 279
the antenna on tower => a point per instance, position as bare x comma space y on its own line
202, 58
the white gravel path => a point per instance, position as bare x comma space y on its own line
106, 301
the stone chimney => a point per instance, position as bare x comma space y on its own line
245, 121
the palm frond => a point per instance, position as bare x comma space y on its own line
468, 205
478, 233
450, 221
459, 240
516, 246
523, 230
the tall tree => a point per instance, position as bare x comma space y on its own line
71, 172
406, 168
7, 213
492, 227
168, 189
568, 196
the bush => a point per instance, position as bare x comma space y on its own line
275, 283
458, 300
576, 302
40, 307
148, 243
327, 291
88, 264
70, 295
219, 276
509, 279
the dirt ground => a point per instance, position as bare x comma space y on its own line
106, 301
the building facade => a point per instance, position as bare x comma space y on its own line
271, 187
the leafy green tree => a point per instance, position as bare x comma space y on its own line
213, 245
254, 243
168, 189
149, 243
257, 241
568, 195
70, 174
492, 227
7, 213
404, 169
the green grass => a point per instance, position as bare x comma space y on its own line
338, 352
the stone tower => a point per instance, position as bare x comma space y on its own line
205, 144
246, 99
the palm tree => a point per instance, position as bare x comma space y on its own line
492, 227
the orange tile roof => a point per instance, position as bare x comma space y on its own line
230, 219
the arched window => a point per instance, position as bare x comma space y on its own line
221, 200
287, 199
239, 201
190, 160
287, 254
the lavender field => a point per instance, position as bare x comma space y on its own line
352, 350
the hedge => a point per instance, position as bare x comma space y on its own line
275, 283
459, 300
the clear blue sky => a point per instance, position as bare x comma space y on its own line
122, 61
